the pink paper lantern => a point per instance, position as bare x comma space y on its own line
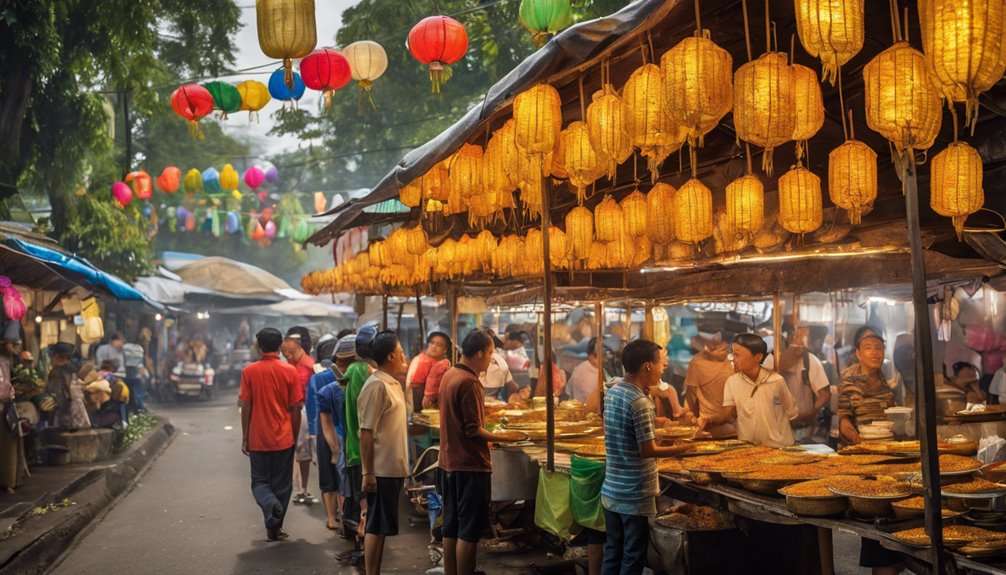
122, 193
254, 177
270, 229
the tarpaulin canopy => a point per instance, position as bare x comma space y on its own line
289, 308
231, 277
77, 268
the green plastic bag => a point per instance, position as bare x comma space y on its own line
552, 511
585, 479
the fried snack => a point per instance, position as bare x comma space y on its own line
595, 450
816, 488
918, 503
879, 486
855, 460
976, 485
787, 472
958, 463
952, 535
670, 465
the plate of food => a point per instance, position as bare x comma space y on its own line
954, 536
976, 488
915, 507
872, 487
591, 451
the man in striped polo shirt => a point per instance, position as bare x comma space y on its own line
630, 480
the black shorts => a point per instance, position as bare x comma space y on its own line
872, 554
593, 536
328, 472
353, 487
382, 507
467, 496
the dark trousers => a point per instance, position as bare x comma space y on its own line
137, 393
627, 537
272, 484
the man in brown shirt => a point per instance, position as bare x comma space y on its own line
464, 454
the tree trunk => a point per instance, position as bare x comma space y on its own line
14, 100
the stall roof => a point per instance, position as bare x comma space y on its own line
574, 55
232, 277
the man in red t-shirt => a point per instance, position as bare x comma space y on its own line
297, 349
464, 454
271, 399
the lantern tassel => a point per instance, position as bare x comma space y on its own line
436, 76
959, 226
194, 132
328, 99
288, 72
766, 161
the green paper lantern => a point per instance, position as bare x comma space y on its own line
226, 97
543, 18
302, 231
283, 229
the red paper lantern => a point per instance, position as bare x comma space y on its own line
169, 180
325, 70
438, 41
192, 102
142, 184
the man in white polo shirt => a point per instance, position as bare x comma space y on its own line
807, 382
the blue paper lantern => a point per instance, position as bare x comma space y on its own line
279, 90
147, 210
233, 223
211, 181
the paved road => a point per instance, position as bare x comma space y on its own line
193, 513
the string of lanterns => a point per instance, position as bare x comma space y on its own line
681, 100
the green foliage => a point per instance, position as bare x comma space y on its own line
111, 238
360, 149
139, 425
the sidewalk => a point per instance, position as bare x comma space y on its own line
40, 520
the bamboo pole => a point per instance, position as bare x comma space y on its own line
384, 312
777, 308
599, 345
549, 394
453, 296
925, 401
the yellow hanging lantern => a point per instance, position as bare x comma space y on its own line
533, 262
557, 167
500, 160
375, 253
660, 213
254, 97
537, 114
956, 184
809, 106
606, 126
832, 30
436, 182
433, 206
965, 48
693, 212
582, 163
597, 258
579, 232
618, 253
745, 205
411, 195
416, 240
608, 220
286, 31
466, 172
697, 78
852, 178
634, 214
447, 257
531, 187
229, 178
558, 248
396, 247
486, 248
647, 122
901, 103
640, 252
764, 104
800, 210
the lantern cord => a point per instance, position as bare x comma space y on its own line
841, 103
852, 126
768, 29
698, 17
747, 33
994, 230
583, 102
905, 32
953, 114
792, 49
747, 155
893, 19
649, 41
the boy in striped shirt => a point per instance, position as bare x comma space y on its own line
630, 480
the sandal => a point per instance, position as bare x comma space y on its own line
330, 528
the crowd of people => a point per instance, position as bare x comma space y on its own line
359, 395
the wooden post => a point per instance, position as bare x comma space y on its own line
546, 202
453, 303
384, 311
925, 397
777, 329
599, 347
419, 318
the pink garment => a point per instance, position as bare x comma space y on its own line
433, 380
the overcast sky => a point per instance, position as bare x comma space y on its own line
327, 18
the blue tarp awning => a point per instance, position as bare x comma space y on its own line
79, 267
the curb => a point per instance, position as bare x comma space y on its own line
94, 493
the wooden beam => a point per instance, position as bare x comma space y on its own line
547, 299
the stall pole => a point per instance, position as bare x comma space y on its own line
452, 295
777, 330
419, 318
599, 346
549, 394
384, 312
925, 402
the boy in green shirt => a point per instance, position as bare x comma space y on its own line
356, 375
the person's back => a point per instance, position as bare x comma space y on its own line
461, 414
271, 387
630, 480
356, 376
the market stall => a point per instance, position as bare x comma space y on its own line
553, 204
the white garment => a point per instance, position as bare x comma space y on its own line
497, 375
382, 409
583, 382
998, 385
805, 396
764, 408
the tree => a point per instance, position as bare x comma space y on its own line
58, 58
360, 149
